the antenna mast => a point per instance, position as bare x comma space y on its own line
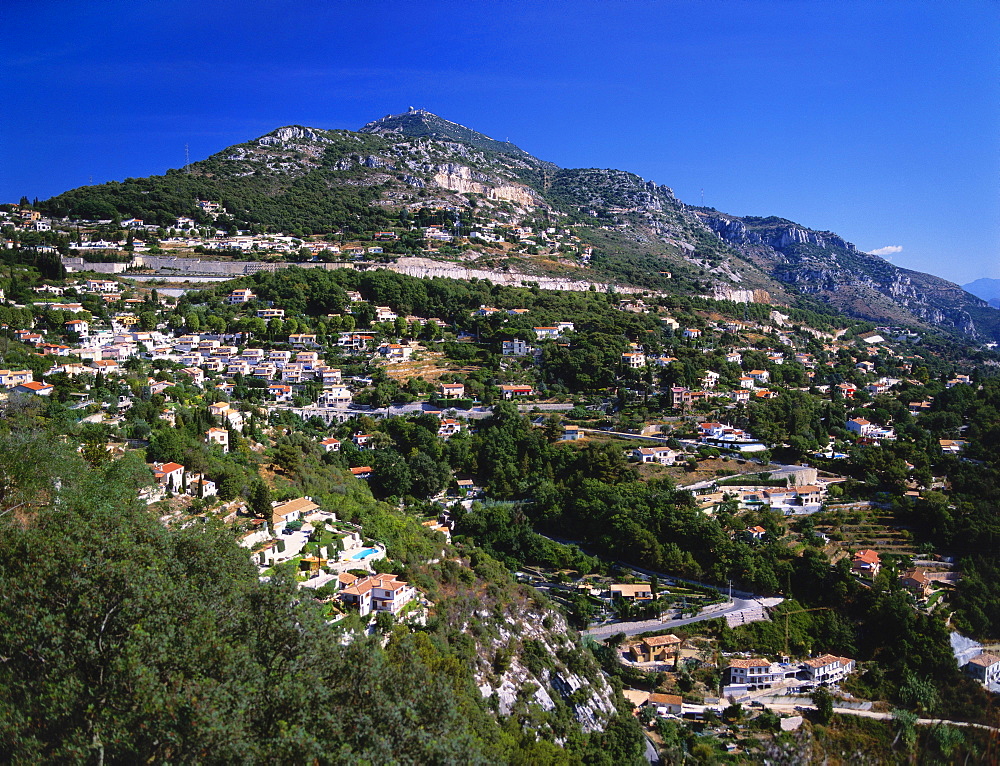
187, 159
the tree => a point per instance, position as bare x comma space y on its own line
259, 498
823, 701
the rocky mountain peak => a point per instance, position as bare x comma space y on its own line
418, 123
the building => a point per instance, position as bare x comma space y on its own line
169, 475
452, 390
395, 352
377, 593
666, 704
656, 649
510, 391
861, 427
660, 455
32, 388
634, 360
627, 592
10, 378
240, 296
515, 348
916, 581
826, 669
330, 445
293, 510
754, 673
985, 668
219, 436
449, 427
866, 563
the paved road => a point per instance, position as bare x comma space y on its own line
642, 626
790, 710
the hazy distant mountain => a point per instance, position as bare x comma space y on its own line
985, 288
308, 180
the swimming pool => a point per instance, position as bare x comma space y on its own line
364, 553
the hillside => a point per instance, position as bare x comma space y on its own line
823, 264
307, 181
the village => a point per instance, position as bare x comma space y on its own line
258, 368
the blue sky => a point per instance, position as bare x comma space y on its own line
877, 120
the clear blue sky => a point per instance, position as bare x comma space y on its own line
878, 120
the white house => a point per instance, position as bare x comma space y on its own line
661, 455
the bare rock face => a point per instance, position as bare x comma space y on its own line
527, 660
291, 134
465, 180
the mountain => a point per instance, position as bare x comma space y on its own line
824, 265
419, 123
398, 170
985, 288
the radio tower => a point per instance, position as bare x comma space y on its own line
187, 159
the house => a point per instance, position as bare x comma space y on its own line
757, 533
680, 397
362, 472
200, 486
661, 455
169, 475
32, 388
754, 673
79, 326
572, 434
916, 581
861, 427
638, 592
280, 391
510, 391
985, 668
330, 445
634, 360
515, 348
378, 593
10, 378
196, 375
385, 314
240, 296
107, 366
809, 494
655, 648
452, 390
101, 286
666, 704
866, 563
270, 313
692, 332
218, 436
760, 376
293, 510
395, 352
335, 396
361, 440
951, 446
449, 427
826, 669
303, 340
